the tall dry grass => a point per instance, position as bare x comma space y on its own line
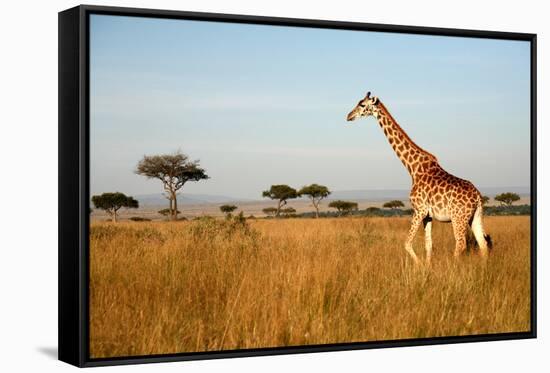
158, 288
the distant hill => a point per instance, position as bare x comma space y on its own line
493, 191
354, 195
184, 199
389, 194
370, 194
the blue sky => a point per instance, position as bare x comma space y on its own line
262, 105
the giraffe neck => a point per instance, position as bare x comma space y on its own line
414, 158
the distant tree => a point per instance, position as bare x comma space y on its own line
343, 207
139, 218
112, 202
288, 211
485, 200
315, 193
507, 198
373, 210
281, 193
227, 209
166, 212
393, 204
270, 211
174, 170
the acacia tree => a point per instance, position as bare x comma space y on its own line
174, 170
393, 204
112, 202
484, 200
166, 212
343, 207
315, 193
281, 193
270, 211
507, 198
288, 211
227, 209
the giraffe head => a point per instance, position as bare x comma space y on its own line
365, 107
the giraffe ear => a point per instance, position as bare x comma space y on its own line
375, 100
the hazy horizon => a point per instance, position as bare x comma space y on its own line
263, 105
522, 190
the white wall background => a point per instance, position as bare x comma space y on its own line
28, 189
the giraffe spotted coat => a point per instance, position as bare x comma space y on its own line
435, 193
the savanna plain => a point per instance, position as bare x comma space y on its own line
222, 284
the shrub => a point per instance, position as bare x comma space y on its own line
408, 212
208, 228
373, 211
139, 218
507, 210
167, 212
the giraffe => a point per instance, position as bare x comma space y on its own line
435, 193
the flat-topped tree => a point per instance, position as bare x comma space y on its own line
343, 207
393, 204
270, 211
112, 202
485, 200
174, 170
166, 212
227, 209
288, 211
280, 193
315, 193
507, 199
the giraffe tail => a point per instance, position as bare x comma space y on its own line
484, 241
489, 241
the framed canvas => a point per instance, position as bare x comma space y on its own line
236, 186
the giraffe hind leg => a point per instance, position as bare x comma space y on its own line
428, 238
460, 229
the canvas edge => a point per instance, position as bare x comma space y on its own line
73, 329
70, 249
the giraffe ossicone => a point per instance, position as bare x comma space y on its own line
435, 193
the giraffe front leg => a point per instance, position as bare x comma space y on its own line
416, 220
459, 228
428, 238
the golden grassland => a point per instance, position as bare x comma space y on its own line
169, 287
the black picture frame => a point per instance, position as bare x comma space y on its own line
74, 187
